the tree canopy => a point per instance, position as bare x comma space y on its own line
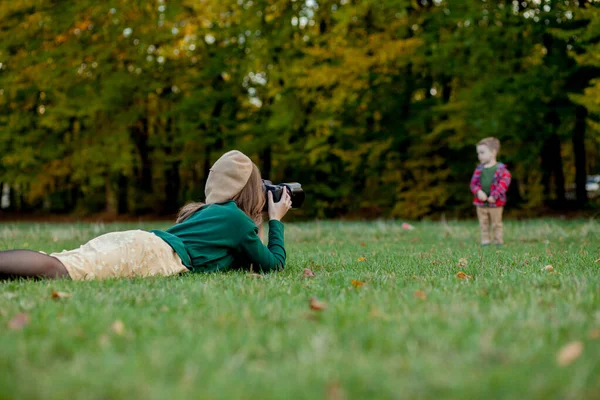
374, 106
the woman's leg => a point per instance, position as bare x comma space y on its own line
30, 264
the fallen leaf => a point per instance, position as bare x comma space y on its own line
60, 295
361, 259
463, 262
316, 305
118, 327
362, 244
357, 284
308, 273
548, 268
462, 275
595, 334
569, 353
419, 294
18, 322
257, 276
598, 260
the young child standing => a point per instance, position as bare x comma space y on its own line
489, 184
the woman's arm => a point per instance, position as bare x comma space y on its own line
264, 258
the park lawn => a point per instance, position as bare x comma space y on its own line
398, 322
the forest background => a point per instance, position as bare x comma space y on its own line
120, 107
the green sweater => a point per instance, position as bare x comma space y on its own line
221, 236
487, 177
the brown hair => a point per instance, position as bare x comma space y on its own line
491, 142
251, 200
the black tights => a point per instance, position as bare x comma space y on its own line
16, 264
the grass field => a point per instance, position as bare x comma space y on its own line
406, 328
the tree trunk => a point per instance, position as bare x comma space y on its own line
111, 197
173, 184
552, 167
122, 194
144, 188
579, 152
140, 139
267, 156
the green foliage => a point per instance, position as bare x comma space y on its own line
374, 106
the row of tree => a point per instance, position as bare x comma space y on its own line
373, 105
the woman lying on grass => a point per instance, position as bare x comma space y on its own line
218, 235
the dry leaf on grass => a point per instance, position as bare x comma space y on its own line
569, 353
462, 275
419, 294
463, 262
356, 283
18, 322
548, 268
308, 273
598, 260
118, 327
61, 295
316, 305
361, 259
595, 334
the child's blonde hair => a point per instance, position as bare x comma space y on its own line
491, 142
251, 200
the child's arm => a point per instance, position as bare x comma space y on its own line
476, 181
502, 186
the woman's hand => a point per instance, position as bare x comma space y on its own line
279, 209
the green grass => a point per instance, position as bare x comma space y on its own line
232, 335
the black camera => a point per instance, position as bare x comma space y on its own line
294, 188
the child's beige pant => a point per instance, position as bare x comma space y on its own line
491, 216
124, 254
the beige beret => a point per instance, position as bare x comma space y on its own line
227, 177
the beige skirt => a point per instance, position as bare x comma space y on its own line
124, 254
